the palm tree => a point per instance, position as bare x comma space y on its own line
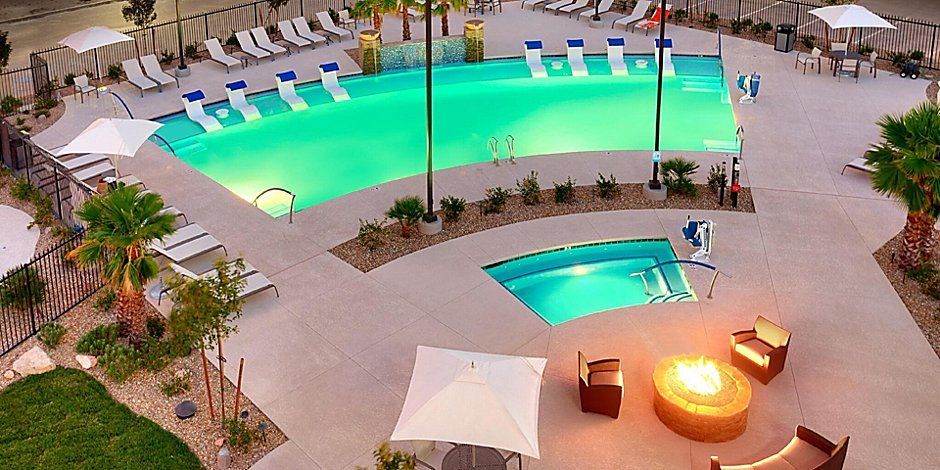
375, 8
405, 25
443, 7
907, 168
120, 227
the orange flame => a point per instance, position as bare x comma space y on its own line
701, 377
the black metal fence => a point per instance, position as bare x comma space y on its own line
161, 39
910, 35
43, 290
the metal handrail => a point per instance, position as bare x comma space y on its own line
165, 143
711, 285
493, 145
293, 196
511, 145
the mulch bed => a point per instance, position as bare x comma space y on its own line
473, 220
924, 308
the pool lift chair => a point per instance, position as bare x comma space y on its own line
700, 234
236, 98
749, 85
533, 58
285, 88
669, 70
331, 83
576, 57
615, 56
192, 101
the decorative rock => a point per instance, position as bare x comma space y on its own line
932, 91
34, 361
9, 375
87, 362
219, 442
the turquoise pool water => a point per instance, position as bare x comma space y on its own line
332, 149
570, 282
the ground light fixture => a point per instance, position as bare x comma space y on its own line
654, 186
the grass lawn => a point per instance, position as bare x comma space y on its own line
66, 419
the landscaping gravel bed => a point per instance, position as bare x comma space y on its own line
473, 220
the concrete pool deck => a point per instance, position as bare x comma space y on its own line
329, 361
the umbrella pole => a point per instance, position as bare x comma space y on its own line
97, 65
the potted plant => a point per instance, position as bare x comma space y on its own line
407, 211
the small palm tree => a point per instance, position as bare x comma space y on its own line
445, 6
120, 227
907, 168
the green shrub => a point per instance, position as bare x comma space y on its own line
105, 300
10, 104
677, 174
761, 27
916, 55
407, 211
156, 327
607, 188
529, 189
69, 79
564, 192
932, 288
865, 49
97, 340
238, 434
711, 19
22, 287
494, 199
51, 333
453, 207
388, 459
808, 40
114, 71
736, 27
233, 41
119, 362
717, 178
680, 15
62, 232
21, 190
167, 56
176, 384
44, 216
191, 51
924, 274
154, 355
20, 121
371, 234
899, 58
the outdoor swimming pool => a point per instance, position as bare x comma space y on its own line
332, 149
570, 282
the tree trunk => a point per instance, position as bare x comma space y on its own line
917, 241
377, 20
131, 317
445, 28
405, 25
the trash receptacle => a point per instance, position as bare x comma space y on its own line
786, 37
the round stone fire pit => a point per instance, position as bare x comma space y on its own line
701, 398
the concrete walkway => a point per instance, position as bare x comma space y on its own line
329, 361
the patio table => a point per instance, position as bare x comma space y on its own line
467, 457
838, 56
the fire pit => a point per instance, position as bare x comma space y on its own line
701, 398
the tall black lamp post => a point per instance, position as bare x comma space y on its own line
182, 70
429, 217
654, 183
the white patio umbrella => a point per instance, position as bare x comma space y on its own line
110, 136
93, 38
850, 16
473, 398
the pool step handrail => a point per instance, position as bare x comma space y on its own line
161, 139
290, 217
493, 145
711, 285
511, 147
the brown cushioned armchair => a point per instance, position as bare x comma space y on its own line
601, 386
806, 451
761, 351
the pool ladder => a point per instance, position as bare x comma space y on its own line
293, 196
493, 145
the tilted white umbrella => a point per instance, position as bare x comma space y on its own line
93, 38
850, 16
110, 136
473, 398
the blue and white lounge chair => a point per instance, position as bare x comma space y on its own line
192, 101
576, 57
615, 56
285, 88
330, 83
533, 58
669, 70
236, 98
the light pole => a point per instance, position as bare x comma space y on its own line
429, 217
182, 70
654, 184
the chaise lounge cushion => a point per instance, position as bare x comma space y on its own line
754, 349
802, 454
774, 462
607, 378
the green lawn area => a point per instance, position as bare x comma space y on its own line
66, 419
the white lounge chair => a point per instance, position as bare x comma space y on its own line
571, 8
264, 42
247, 45
576, 57
236, 98
155, 72
331, 83
94, 172
533, 58
533, 3
255, 282
347, 20
82, 87
190, 249
604, 7
554, 6
861, 164
639, 11
285, 88
303, 30
669, 69
192, 101
136, 76
181, 235
289, 35
327, 24
218, 55
80, 161
615, 56
654, 21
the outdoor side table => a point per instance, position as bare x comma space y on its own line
467, 457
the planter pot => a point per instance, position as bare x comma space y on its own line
183, 72
430, 228
596, 24
654, 194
